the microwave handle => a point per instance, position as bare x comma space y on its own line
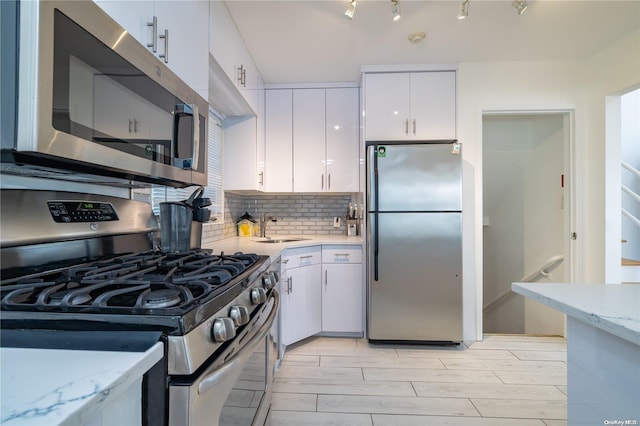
196, 138
182, 110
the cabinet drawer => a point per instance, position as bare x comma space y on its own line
302, 256
341, 254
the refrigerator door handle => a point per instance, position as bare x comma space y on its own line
376, 247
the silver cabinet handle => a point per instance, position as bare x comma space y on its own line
329, 186
261, 181
285, 261
406, 125
342, 254
135, 126
326, 277
165, 55
322, 182
414, 126
154, 34
289, 285
242, 76
306, 257
130, 125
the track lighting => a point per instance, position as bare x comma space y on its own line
520, 5
396, 10
464, 10
351, 9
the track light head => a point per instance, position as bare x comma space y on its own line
396, 10
520, 6
351, 9
464, 10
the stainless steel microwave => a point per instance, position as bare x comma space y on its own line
81, 94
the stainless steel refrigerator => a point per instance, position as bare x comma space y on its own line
414, 241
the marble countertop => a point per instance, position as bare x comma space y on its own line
273, 250
614, 308
53, 386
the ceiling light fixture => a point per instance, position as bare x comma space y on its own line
520, 5
396, 10
464, 10
351, 9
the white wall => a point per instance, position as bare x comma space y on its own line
502, 86
611, 72
576, 86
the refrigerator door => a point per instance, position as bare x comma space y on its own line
414, 177
415, 277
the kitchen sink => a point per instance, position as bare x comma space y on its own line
280, 240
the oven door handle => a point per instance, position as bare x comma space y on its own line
214, 378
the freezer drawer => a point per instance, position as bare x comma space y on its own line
414, 177
415, 277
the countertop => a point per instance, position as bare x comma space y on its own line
614, 308
273, 250
54, 386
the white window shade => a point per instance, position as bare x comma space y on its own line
213, 190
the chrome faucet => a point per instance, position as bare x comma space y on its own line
263, 224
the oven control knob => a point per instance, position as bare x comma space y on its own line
223, 330
239, 315
258, 296
269, 280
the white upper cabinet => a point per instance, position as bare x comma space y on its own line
228, 49
309, 151
342, 139
175, 31
324, 136
279, 140
402, 106
244, 151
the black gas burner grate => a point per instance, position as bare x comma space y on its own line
145, 283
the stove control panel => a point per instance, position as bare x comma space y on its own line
81, 211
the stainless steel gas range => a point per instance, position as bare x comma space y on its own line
81, 271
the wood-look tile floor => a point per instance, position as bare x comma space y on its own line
503, 380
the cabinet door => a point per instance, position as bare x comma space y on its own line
433, 105
279, 140
342, 139
342, 298
111, 116
188, 44
386, 106
301, 303
240, 153
309, 140
133, 16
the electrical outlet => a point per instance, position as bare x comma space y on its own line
336, 222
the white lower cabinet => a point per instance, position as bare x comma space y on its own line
342, 289
321, 291
301, 294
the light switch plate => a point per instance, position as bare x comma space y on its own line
336, 222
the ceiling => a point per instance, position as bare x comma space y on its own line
303, 41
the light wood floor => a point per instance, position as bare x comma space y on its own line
503, 380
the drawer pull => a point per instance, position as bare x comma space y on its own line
306, 257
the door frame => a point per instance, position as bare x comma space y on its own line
573, 216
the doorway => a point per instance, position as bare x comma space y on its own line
525, 217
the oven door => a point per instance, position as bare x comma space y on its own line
211, 398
